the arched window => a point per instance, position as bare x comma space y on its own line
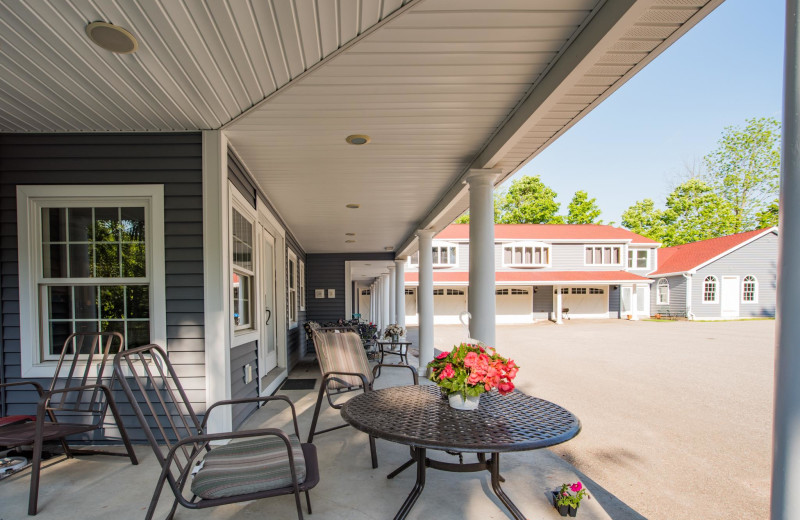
710, 289
662, 292
749, 289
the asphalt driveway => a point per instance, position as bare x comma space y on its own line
676, 415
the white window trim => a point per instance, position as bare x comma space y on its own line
635, 251
301, 284
543, 245
240, 337
622, 259
292, 257
716, 291
755, 289
29, 200
441, 244
658, 293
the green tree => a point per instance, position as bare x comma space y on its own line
769, 217
498, 195
583, 210
744, 170
529, 201
643, 218
695, 212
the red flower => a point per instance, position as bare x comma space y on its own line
470, 360
505, 387
447, 372
576, 487
443, 355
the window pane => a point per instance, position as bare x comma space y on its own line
453, 255
80, 224
80, 261
443, 258
106, 224
112, 302
415, 258
132, 224
85, 326
60, 303
107, 261
134, 263
54, 261
615, 255
59, 331
506, 255
528, 255
606, 255
641, 259
537, 259
138, 301
86, 303
113, 326
245, 300
517, 255
54, 224
589, 257
138, 333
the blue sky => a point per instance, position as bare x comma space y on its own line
637, 143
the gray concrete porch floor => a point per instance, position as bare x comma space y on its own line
103, 487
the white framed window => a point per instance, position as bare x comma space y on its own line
301, 280
445, 255
638, 258
455, 292
596, 290
501, 292
365, 292
438, 292
662, 292
603, 255
409, 292
413, 260
291, 269
243, 272
579, 290
526, 254
750, 289
91, 258
710, 289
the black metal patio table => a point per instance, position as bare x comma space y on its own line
388, 347
420, 417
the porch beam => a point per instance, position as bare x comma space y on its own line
785, 500
400, 283
481, 303
425, 298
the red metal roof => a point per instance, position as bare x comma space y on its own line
535, 276
679, 259
587, 232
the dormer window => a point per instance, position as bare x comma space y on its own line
444, 255
526, 254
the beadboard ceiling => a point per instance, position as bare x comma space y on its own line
441, 86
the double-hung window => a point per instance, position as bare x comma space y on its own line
662, 292
91, 259
444, 255
710, 289
292, 285
749, 289
243, 277
301, 279
637, 258
532, 254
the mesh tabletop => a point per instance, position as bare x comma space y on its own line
420, 416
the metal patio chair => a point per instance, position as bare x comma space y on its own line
257, 463
76, 403
345, 368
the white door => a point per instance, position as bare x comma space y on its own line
267, 352
625, 301
730, 297
364, 304
643, 301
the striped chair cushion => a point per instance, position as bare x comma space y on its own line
249, 466
342, 352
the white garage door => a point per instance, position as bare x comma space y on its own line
448, 303
364, 303
585, 301
514, 304
411, 307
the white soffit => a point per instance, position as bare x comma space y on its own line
199, 64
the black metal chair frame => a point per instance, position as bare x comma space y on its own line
365, 386
81, 394
196, 441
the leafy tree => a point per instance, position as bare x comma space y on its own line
695, 212
582, 209
745, 170
498, 195
529, 201
768, 217
643, 218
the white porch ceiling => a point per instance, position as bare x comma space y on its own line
441, 86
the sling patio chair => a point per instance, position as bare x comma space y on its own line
260, 463
345, 368
75, 404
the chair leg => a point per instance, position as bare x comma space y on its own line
171, 514
123, 433
36, 466
297, 501
316, 412
151, 510
373, 451
67, 451
308, 501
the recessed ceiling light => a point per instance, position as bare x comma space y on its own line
388, 248
349, 241
112, 38
350, 234
358, 139
367, 264
352, 206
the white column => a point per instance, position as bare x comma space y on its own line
377, 296
785, 502
400, 291
425, 298
481, 255
392, 296
385, 298
559, 304
634, 304
373, 316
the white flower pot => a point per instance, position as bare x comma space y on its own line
458, 402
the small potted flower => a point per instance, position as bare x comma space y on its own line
568, 498
394, 331
469, 370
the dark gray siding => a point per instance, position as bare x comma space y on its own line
613, 301
174, 160
543, 301
326, 271
677, 296
242, 356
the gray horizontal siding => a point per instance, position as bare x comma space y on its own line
677, 296
242, 356
173, 160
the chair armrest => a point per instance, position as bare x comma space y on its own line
34, 384
41, 406
254, 400
400, 365
327, 375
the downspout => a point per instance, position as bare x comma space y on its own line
688, 277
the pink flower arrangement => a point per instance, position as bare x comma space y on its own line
571, 495
473, 369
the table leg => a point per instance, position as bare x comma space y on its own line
380, 347
418, 485
494, 465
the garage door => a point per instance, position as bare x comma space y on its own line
411, 306
586, 301
364, 304
448, 303
514, 304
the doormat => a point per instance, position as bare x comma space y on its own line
299, 384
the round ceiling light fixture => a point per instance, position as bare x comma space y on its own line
349, 241
352, 206
388, 248
358, 139
350, 234
112, 38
